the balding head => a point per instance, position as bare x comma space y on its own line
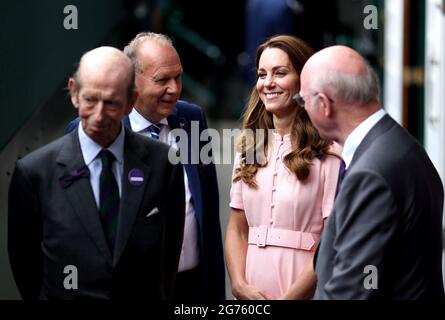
340, 90
132, 50
344, 75
109, 62
339, 59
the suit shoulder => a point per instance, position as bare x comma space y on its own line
188, 109
46, 152
72, 125
394, 148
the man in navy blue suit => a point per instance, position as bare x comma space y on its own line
156, 113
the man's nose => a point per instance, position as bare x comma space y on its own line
173, 86
99, 110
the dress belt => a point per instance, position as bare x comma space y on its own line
264, 236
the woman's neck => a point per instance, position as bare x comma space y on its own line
283, 125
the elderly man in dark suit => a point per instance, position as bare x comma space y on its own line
157, 114
383, 239
91, 215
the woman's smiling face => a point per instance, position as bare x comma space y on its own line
277, 82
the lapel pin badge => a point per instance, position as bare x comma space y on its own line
136, 177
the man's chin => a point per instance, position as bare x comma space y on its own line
167, 108
102, 136
103, 141
96, 131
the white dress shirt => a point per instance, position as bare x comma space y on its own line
90, 151
190, 249
358, 134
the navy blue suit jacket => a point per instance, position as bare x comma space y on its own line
204, 189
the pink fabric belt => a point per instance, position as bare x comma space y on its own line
264, 236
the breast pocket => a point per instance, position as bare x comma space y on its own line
148, 229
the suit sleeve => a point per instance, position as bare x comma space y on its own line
25, 235
365, 223
213, 248
174, 227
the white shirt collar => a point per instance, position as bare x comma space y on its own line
91, 149
139, 123
358, 134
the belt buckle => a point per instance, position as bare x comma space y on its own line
262, 236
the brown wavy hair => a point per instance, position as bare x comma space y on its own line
306, 141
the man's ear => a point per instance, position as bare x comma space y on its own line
326, 105
73, 93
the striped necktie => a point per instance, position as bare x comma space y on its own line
154, 131
109, 198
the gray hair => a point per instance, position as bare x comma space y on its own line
131, 50
350, 89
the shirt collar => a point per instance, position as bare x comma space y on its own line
90, 149
358, 134
139, 123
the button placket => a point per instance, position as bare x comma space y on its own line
274, 183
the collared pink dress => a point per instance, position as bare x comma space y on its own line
285, 216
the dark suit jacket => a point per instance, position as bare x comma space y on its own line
388, 214
204, 189
51, 227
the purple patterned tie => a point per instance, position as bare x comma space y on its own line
341, 175
109, 198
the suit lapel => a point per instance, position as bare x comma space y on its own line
80, 195
192, 170
177, 122
132, 195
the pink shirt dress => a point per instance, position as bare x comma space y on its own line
285, 216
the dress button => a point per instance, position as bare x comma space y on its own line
274, 189
272, 205
275, 173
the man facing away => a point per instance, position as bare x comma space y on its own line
383, 239
98, 213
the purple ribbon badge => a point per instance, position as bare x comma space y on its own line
136, 177
67, 180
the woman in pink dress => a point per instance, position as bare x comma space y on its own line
279, 202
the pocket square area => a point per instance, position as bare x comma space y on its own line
152, 212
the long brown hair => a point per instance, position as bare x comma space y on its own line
306, 142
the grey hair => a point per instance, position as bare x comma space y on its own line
350, 89
131, 50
